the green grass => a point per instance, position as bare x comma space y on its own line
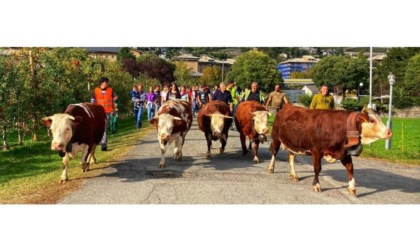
405, 142
30, 173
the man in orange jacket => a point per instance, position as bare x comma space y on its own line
103, 95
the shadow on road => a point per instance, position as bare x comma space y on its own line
378, 180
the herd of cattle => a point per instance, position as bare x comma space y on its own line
329, 134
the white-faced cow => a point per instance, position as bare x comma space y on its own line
79, 129
215, 119
251, 120
172, 122
329, 134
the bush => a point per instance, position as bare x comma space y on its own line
403, 102
352, 104
305, 100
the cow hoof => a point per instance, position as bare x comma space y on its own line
316, 188
352, 191
270, 170
62, 181
256, 161
294, 178
208, 155
221, 151
161, 165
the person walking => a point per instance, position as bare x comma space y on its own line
104, 96
203, 96
173, 93
134, 96
254, 94
222, 94
151, 101
140, 99
277, 99
323, 100
114, 117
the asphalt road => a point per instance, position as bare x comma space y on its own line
230, 178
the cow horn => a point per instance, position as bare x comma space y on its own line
209, 115
230, 117
364, 108
177, 118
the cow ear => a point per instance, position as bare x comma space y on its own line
154, 121
47, 121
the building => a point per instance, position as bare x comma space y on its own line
109, 53
197, 64
310, 89
296, 65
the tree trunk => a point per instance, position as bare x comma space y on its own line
5, 144
35, 90
19, 131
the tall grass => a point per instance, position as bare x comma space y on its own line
405, 142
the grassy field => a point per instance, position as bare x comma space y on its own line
405, 142
30, 173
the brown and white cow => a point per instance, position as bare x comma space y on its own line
329, 134
79, 129
215, 119
251, 120
172, 122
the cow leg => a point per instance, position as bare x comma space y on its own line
178, 149
208, 139
255, 148
91, 158
85, 156
64, 176
316, 160
293, 176
274, 148
162, 152
223, 141
348, 163
244, 150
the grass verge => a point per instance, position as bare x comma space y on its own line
30, 174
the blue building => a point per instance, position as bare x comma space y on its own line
296, 65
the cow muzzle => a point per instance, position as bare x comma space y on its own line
217, 134
164, 137
57, 146
264, 131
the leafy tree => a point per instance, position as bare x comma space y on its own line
125, 53
341, 73
131, 66
255, 66
157, 68
183, 74
211, 75
411, 85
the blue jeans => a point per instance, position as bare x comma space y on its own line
150, 112
139, 114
